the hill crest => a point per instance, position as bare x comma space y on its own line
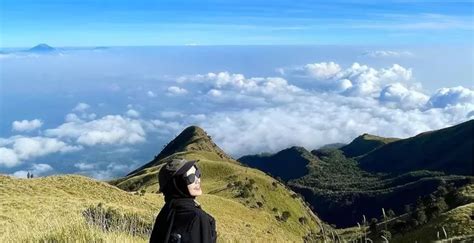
448, 150
365, 143
290, 163
192, 138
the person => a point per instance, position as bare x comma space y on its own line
182, 219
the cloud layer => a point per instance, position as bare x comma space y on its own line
308, 105
16, 149
111, 129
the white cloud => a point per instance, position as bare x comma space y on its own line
150, 94
387, 53
175, 90
81, 107
17, 149
225, 87
112, 170
319, 71
171, 114
315, 120
198, 117
397, 95
451, 96
111, 129
214, 92
39, 169
8, 157
346, 103
133, 113
163, 127
356, 80
71, 117
84, 166
35, 169
26, 126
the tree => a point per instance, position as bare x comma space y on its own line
28, 175
420, 216
435, 208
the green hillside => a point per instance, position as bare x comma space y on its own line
454, 225
290, 163
344, 184
449, 150
261, 198
341, 192
266, 201
364, 144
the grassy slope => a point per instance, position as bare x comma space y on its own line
234, 215
457, 223
50, 208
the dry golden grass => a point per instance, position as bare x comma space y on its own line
50, 208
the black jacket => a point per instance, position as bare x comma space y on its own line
187, 219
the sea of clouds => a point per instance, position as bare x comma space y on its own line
310, 105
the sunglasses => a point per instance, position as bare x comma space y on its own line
191, 178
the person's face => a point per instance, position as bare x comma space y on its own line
194, 188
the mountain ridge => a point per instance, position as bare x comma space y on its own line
365, 143
449, 150
192, 138
276, 164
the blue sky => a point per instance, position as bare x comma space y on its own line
137, 23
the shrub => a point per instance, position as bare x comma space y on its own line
245, 193
259, 204
285, 215
386, 234
251, 182
109, 219
302, 220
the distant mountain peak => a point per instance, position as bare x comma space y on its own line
42, 48
193, 138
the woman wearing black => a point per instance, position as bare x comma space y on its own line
181, 219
